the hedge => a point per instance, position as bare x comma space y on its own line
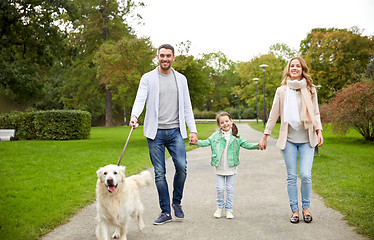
48, 125
245, 113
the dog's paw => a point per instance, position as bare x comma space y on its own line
115, 235
141, 225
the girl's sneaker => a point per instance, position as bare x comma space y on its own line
218, 213
229, 214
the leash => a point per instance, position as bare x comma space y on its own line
123, 151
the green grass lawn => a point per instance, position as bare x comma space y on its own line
343, 175
43, 183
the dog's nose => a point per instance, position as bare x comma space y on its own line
110, 181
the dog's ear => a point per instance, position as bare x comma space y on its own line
99, 173
123, 168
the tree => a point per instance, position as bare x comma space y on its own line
370, 69
353, 107
222, 77
336, 57
197, 78
99, 21
273, 77
30, 43
283, 51
120, 66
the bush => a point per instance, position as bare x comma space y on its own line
48, 125
352, 107
204, 114
248, 113
245, 113
21, 122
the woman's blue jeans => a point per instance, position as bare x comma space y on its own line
173, 141
306, 155
222, 183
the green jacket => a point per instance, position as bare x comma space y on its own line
217, 143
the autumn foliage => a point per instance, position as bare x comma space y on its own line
353, 107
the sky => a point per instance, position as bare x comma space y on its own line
244, 29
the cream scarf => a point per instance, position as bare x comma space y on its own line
291, 112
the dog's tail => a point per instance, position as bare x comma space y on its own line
142, 179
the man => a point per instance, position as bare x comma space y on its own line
168, 109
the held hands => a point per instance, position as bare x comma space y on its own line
193, 138
263, 143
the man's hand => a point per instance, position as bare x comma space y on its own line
193, 138
133, 122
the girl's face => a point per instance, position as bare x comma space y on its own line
225, 123
296, 70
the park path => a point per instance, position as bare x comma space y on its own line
261, 206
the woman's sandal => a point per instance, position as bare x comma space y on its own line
294, 219
307, 218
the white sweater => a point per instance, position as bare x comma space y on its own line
223, 167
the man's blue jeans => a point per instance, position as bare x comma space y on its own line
306, 155
173, 141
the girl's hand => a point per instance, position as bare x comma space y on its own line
263, 143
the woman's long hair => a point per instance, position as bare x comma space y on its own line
305, 73
235, 130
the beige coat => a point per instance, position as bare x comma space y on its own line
277, 110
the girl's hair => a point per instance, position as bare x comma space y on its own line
305, 73
234, 127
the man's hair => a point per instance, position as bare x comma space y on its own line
166, 46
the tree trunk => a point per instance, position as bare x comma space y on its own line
108, 108
108, 93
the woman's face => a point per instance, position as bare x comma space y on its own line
225, 123
296, 70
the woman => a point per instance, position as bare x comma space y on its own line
300, 131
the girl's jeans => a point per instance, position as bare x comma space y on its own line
223, 182
173, 141
306, 154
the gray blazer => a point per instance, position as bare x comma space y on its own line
148, 92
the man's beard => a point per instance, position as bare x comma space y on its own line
165, 68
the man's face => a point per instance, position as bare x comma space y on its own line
165, 58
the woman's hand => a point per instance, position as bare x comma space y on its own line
263, 143
320, 137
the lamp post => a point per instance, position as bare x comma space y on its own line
318, 88
256, 79
239, 106
124, 116
263, 66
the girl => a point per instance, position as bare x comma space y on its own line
225, 146
295, 102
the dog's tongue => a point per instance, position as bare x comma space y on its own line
111, 188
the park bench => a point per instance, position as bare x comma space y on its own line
7, 134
